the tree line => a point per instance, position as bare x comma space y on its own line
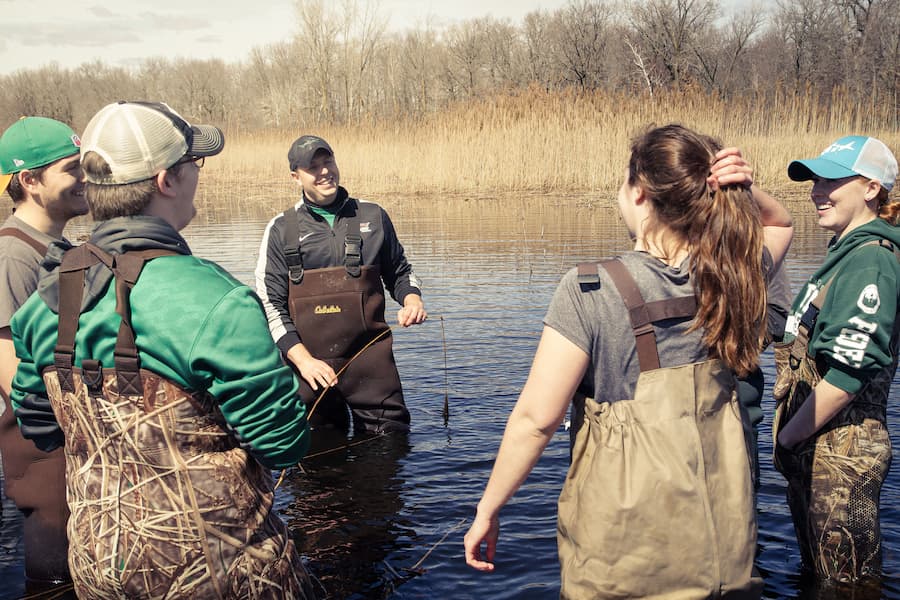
343, 66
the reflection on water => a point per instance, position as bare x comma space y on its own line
345, 508
384, 517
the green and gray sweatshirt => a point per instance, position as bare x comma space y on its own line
194, 325
854, 333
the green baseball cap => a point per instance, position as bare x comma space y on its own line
33, 142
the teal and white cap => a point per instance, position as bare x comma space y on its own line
849, 156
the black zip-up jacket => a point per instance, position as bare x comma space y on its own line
322, 246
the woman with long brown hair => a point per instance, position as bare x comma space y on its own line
658, 499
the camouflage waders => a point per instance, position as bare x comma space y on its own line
339, 312
165, 504
36, 482
658, 501
834, 477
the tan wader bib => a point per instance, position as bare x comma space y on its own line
658, 501
164, 502
835, 477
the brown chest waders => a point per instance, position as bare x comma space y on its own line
337, 312
165, 504
36, 482
834, 478
658, 501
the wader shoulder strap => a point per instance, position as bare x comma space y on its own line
126, 269
811, 314
292, 245
642, 314
353, 247
18, 233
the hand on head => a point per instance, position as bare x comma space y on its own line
730, 168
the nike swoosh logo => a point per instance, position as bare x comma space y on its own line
303, 237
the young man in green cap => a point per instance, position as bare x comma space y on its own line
39, 162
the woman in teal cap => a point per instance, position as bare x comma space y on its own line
832, 440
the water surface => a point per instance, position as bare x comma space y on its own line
384, 518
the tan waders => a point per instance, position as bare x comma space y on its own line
658, 501
36, 482
834, 478
339, 313
164, 502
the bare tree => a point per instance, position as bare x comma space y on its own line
538, 50
667, 32
583, 30
317, 30
466, 50
719, 50
360, 31
812, 30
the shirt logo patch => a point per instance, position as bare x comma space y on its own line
869, 301
365, 227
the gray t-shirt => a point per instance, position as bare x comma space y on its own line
19, 267
594, 318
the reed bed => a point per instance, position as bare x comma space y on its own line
539, 141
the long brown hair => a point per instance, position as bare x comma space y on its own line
887, 209
720, 227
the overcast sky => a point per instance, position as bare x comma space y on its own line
125, 32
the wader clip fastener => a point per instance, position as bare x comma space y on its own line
92, 374
295, 272
588, 273
353, 254
295, 264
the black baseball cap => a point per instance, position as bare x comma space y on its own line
303, 150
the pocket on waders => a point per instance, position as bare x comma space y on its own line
330, 324
337, 314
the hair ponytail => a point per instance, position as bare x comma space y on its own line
722, 230
727, 271
888, 210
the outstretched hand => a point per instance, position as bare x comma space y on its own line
483, 530
730, 168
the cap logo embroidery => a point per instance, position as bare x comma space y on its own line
18, 162
838, 148
76, 141
869, 301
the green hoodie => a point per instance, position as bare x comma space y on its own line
854, 333
194, 325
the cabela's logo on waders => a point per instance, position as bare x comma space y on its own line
869, 301
324, 309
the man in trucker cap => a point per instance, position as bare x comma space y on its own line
170, 357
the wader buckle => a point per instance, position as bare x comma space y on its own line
353, 254
295, 272
92, 374
295, 264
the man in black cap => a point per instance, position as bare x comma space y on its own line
324, 265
